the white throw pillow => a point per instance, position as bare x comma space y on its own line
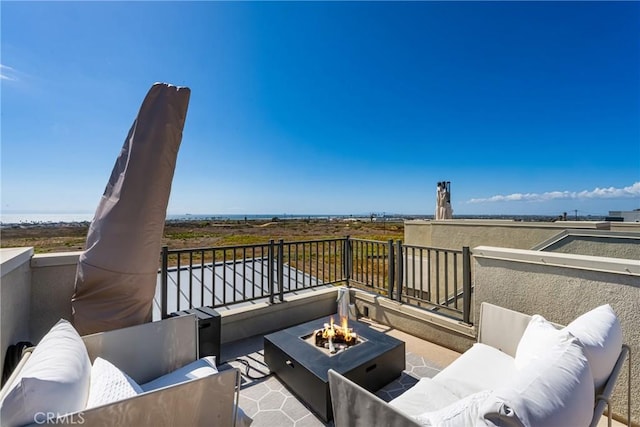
109, 384
197, 369
554, 390
538, 337
464, 412
600, 333
55, 379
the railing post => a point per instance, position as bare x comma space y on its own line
391, 273
399, 270
270, 272
466, 284
281, 269
164, 282
347, 259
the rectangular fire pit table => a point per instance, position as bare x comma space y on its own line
302, 367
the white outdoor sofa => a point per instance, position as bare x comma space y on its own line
93, 380
523, 371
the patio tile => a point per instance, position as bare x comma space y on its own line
272, 400
294, 409
310, 421
425, 372
249, 406
271, 419
255, 391
265, 399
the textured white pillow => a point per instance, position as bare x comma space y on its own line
600, 333
197, 369
109, 384
55, 379
464, 412
554, 390
538, 337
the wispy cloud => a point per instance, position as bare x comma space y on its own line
597, 193
7, 73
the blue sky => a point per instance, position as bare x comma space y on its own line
330, 107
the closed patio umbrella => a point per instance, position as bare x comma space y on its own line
116, 275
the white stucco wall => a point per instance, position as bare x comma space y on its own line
52, 285
456, 233
15, 296
561, 287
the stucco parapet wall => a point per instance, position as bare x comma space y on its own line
12, 258
56, 259
561, 225
422, 315
581, 262
247, 312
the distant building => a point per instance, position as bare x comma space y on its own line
626, 216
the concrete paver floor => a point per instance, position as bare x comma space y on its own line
265, 399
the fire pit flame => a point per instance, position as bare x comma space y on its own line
331, 335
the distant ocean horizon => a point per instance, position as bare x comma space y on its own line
7, 218
31, 218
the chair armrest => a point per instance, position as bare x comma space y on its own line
602, 398
203, 401
7, 385
501, 328
355, 406
150, 350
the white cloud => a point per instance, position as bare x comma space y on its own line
6, 73
597, 193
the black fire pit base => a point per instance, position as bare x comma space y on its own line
303, 368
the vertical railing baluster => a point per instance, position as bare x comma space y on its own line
213, 279
446, 278
345, 260
244, 273
281, 269
455, 280
466, 291
317, 262
179, 291
437, 277
190, 270
429, 275
391, 274
235, 285
224, 277
253, 271
421, 274
164, 278
289, 266
399, 270
413, 271
202, 265
270, 272
297, 266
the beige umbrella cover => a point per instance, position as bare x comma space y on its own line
116, 275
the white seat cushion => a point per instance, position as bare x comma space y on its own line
600, 333
462, 413
554, 390
479, 368
109, 384
55, 379
425, 395
197, 369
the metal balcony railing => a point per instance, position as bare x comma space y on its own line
431, 278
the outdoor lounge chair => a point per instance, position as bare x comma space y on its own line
151, 353
472, 390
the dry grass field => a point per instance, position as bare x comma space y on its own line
45, 238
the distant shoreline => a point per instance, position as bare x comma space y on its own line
83, 219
